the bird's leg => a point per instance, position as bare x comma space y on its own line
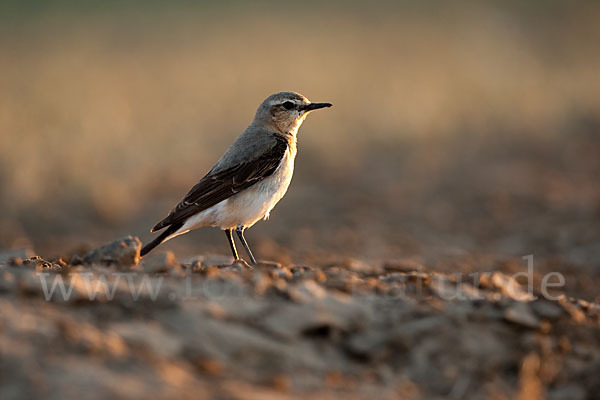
232, 243
240, 232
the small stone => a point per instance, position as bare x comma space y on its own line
41, 265
62, 263
520, 313
306, 291
403, 266
269, 265
547, 309
450, 291
506, 285
361, 267
15, 261
123, 253
283, 273
576, 313
195, 266
34, 261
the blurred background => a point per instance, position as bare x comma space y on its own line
464, 135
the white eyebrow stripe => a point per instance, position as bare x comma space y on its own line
280, 102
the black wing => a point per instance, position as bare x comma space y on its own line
218, 186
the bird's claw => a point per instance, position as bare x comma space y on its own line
242, 263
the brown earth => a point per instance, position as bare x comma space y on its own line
206, 328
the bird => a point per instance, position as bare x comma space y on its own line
248, 180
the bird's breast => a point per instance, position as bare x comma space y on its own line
272, 189
256, 202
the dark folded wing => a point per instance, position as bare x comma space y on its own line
218, 186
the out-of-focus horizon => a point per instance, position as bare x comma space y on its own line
457, 129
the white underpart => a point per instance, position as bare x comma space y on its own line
248, 206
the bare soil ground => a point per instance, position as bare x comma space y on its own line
206, 328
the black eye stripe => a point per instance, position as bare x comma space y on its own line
288, 105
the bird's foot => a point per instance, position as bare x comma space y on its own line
242, 263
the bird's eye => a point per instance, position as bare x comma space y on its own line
288, 105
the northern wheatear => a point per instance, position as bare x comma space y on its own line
248, 180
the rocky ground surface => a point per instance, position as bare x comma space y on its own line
206, 328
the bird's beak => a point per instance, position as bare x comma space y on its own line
315, 106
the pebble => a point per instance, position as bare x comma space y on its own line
123, 253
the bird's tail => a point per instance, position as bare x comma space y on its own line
161, 238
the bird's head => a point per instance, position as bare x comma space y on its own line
285, 111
